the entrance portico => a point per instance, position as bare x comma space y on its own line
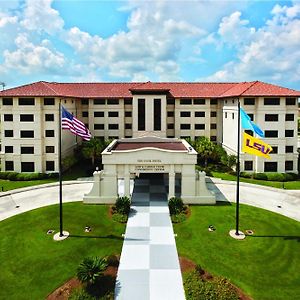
126, 159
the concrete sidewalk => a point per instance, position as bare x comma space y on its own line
149, 266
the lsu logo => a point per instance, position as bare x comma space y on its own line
259, 147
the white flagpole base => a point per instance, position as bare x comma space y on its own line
58, 238
233, 234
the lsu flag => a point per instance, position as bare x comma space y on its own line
255, 146
248, 124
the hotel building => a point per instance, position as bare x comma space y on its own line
30, 118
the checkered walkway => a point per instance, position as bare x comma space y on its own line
149, 266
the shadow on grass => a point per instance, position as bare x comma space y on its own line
285, 237
110, 236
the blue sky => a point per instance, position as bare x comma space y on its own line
135, 40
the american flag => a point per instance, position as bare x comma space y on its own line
69, 122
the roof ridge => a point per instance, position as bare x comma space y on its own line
253, 83
49, 87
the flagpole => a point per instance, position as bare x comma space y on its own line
238, 171
60, 176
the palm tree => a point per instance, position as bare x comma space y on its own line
90, 269
205, 148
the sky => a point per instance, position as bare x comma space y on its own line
136, 40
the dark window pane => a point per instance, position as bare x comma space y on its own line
9, 149
49, 117
250, 132
26, 118
289, 149
170, 126
98, 126
141, 114
290, 101
249, 101
8, 117
128, 114
98, 114
170, 113
200, 126
9, 165
112, 101
289, 165
49, 101
289, 117
274, 150
113, 114
289, 133
213, 114
27, 166
271, 101
7, 101
213, 126
185, 101
8, 133
185, 126
27, 134
271, 133
49, 133
50, 149
99, 101
128, 126
248, 165
271, 117
26, 101
185, 114
199, 101
27, 150
170, 101
199, 114
85, 114
128, 101
251, 116
213, 101
84, 101
157, 114
49, 165
270, 166
113, 126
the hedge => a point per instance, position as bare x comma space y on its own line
15, 176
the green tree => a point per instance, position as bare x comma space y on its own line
90, 269
205, 149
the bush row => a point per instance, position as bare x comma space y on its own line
15, 176
271, 176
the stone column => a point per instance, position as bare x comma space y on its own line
171, 182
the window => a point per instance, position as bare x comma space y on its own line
289, 133
270, 166
289, 149
26, 118
213, 138
128, 114
99, 101
248, 165
185, 114
199, 114
128, 101
290, 101
49, 165
213, 114
112, 101
199, 126
225, 114
27, 150
141, 114
113, 114
98, 126
113, 137
213, 126
157, 114
9, 149
170, 126
251, 116
170, 136
170, 113
271, 117
185, 101
113, 126
185, 126
250, 132
49, 133
49, 117
271, 101
26, 101
170, 101
85, 114
49, 101
27, 166
128, 126
289, 165
84, 101
7, 101
199, 101
98, 114
249, 101
232, 116
274, 150
271, 133
289, 117
9, 165
213, 101
128, 136
8, 117
8, 133
50, 149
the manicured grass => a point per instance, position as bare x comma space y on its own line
265, 266
289, 185
33, 265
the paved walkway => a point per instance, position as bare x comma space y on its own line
149, 266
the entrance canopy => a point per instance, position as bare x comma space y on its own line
128, 158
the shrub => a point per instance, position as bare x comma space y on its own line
122, 205
176, 206
275, 176
290, 176
90, 269
260, 176
4, 175
12, 176
80, 294
246, 175
68, 162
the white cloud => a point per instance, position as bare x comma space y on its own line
6, 20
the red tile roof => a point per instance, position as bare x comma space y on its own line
174, 89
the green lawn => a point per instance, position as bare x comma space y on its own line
32, 264
290, 185
265, 265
